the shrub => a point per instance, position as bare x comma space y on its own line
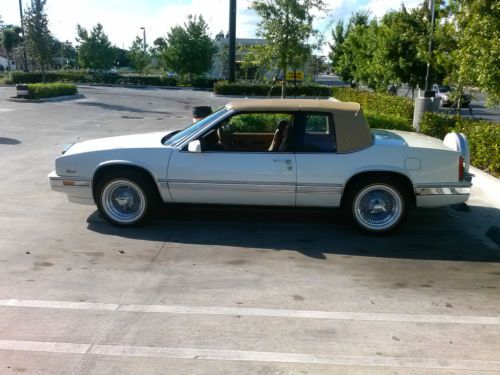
48, 90
257, 122
382, 104
483, 136
383, 121
437, 125
251, 89
79, 76
147, 80
484, 142
62, 76
203, 82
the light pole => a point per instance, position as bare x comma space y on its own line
431, 34
428, 102
144, 37
232, 40
22, 33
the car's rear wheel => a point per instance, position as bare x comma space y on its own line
125, 198
377, 206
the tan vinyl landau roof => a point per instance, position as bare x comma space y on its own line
352, 130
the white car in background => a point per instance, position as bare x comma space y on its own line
311, 153
445, 95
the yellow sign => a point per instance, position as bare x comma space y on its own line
298, 76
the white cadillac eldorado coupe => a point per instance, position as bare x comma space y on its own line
279, 152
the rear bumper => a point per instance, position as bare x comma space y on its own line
435, 195
77, 189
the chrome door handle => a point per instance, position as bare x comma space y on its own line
286, 161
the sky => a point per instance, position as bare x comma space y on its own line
122, 19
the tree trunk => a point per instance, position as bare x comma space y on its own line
43, 73
283, 83
8, 62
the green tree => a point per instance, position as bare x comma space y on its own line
68, 50
401, 48
38, 39
95, 50
10, 38
139, 59
287, 27
157, 52
120, 57
478, 49
190, 49
340, 62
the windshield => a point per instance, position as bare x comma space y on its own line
194, 128
444, 88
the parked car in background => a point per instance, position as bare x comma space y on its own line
278, 152
448, 99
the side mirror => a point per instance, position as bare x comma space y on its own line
194, 146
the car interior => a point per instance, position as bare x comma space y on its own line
272, 132
256, 132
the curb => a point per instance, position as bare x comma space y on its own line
47, 100
187, 88
487, 186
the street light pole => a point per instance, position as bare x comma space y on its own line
232, 40
22, 33
426, 103
144, 37
431, 34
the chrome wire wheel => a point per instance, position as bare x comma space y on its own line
378, 207
123, 201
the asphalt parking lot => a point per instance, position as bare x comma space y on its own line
236, 291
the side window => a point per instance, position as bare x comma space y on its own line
319, 133
250, 132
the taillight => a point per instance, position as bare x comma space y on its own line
461, 163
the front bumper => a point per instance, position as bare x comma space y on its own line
77, 189
435, 195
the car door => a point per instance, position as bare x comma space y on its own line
243, 172
318, 178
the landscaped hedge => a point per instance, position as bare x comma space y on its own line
382, 104
383, 121
49, 90
62, 76
79, 76
483, 136
251, 89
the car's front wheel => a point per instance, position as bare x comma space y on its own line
125, 199
376, 206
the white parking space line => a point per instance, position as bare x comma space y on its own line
39, 346
253, 356
60, 304
6, 109
279, 313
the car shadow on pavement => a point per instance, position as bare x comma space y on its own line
428, 234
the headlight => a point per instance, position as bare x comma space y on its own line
445, 97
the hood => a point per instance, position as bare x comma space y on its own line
410, 139
146, 140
